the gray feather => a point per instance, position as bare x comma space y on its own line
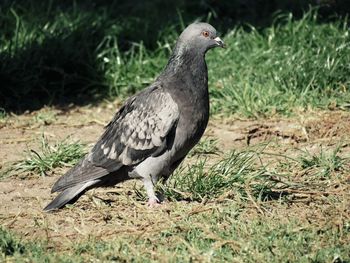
155, 129
138, 130
67, 195
83, 171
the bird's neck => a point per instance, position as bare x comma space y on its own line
187, 62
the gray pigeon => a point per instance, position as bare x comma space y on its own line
155, 129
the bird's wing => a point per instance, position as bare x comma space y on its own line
141, 128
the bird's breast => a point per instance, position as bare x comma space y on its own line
190, 92
193, 119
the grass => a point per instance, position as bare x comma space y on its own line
205, 146
323, 164
234, 173
245, 175
50, 156
220, 234
3, 114
14, 249
235, 207
9, 245
292, 63
45, 117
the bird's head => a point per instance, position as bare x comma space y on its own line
200, 37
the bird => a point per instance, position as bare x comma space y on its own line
153, 131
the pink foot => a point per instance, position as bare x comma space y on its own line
153, 203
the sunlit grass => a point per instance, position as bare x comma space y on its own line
231, 207
293, 63
236, 208
50, 156
220, 234
200, 181
323, 164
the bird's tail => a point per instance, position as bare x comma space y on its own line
68, 195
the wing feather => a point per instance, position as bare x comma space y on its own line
140, 129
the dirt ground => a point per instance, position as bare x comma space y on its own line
105, 212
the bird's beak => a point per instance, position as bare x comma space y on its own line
219, 42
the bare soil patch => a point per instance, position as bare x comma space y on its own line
106, 212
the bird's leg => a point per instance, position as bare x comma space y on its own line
152, 198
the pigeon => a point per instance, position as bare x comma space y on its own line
154, 130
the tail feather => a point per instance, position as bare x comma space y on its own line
82, 172
67, 195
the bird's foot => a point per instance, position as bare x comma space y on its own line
153, 202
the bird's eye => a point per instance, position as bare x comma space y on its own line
205, 33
